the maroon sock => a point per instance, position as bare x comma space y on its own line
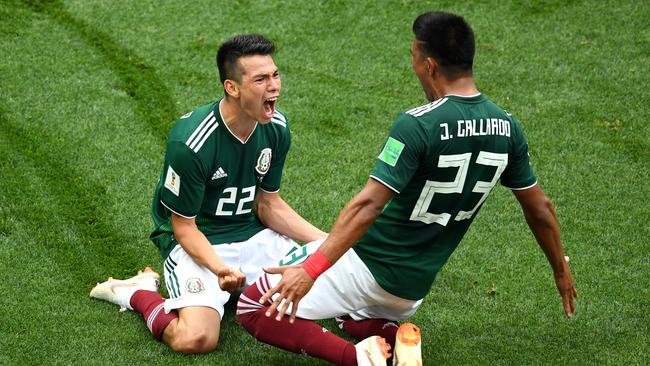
362, 329
301, 336
151, 305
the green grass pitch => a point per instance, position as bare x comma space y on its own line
89, 89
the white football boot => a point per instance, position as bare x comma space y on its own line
120, 291
408, 345
372, 351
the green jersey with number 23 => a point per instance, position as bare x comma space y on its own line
441, 159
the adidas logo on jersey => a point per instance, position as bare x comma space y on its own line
219, 174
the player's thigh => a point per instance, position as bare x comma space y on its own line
338, 291
264, 249
349, 288
191, 285
391, 308
199, 320
196, 331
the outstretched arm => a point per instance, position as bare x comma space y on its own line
353, 221
278, 216
540, 216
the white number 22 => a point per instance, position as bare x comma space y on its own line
462, 161
249, 193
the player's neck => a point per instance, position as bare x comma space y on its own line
463, 86
239, 123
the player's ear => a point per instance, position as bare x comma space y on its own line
231, 87
432, 66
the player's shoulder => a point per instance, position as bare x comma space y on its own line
278, 127
506, 114
280, 119
196, 116
426, 116
195, 127
495, 109
498, 112
426, 109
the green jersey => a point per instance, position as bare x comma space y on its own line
211, 175
442, 159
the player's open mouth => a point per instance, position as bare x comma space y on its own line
269, 106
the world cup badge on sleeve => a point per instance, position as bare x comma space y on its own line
173, 181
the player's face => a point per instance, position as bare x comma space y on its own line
419, 62
259, 87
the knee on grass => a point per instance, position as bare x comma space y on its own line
195, 342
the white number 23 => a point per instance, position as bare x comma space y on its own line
462, 161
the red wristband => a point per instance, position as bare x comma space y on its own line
316, 264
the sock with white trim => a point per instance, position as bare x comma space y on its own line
362, 329
303, 336
152, 307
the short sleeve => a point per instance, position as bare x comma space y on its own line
273, 178
519, 173
184, 180
400, 154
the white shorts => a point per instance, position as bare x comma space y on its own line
347, 288
190, 284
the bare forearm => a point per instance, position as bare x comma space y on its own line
281, 218
543, 223
540, 216
353, 221
196, 244
200, 249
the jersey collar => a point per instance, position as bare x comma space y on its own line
463, 96
243, 142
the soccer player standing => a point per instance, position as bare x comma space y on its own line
217, 210
435, 170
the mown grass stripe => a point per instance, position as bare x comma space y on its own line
79, 201
151, 99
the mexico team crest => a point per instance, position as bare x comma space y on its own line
194, 285
263, 161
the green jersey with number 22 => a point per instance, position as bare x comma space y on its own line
211, 175
442, 159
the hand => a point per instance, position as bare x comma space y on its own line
293, 286
566, 287
230, 279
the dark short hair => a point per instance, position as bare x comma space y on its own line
448, 39
240, 46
